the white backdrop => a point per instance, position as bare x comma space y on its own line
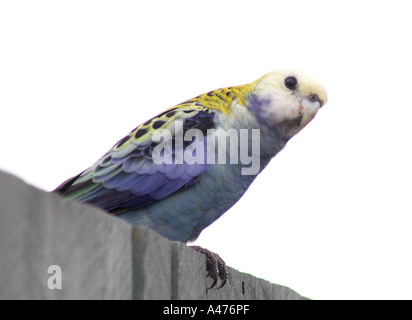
330, 216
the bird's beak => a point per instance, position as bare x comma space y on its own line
308, 110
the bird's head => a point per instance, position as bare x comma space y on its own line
286, 100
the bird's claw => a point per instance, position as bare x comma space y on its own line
215, 267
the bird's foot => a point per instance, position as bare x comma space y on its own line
215, 267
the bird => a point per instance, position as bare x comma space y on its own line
181, 170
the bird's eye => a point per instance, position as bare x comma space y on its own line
291, 82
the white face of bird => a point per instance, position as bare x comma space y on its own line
288, 100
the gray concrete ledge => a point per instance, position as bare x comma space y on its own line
100, 256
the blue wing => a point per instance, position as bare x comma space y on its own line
127, 176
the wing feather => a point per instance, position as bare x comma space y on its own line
127, 177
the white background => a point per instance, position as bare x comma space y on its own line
330, 216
